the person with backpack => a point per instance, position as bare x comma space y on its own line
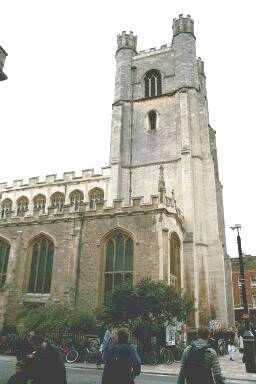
122, 362
199, 362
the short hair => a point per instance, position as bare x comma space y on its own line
36, 339
203, 333
123, 335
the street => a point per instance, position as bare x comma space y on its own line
93, 376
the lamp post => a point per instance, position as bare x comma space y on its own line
248, 337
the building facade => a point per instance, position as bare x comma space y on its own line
156, 210
250, 286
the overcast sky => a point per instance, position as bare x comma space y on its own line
56, 104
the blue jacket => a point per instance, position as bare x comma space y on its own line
122, 364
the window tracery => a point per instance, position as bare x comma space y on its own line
6, 207
153, 83
41, 266
22, 206
119, 261
57, 201
39, 202
76, 198
96, 196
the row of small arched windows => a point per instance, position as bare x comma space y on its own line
76, 197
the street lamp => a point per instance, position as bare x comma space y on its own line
248, 337
237, 227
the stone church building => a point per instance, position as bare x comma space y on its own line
156, 210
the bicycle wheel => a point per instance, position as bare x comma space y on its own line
167, 356
72, 356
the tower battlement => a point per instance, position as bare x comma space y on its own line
126, 40
183, 24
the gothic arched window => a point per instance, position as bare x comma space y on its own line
76, 198
175, 271
6, 207
153, 83
4, 258
57, 201
41, 266
152, 119
22, 206
39, 202
119, 261
96, 195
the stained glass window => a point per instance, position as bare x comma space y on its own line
22, 206
153, 83
119, 261
41, 266
96, 195
4, 257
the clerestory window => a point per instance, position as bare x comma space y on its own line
76, 198
22, 206
39, 203
6, 207
153, 83
57, 201
96, 195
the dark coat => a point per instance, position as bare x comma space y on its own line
48, 367
122, 364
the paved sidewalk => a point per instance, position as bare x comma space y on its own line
231, 369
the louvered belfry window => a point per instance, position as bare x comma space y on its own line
4, 258
119, 261
153, 83
41, 266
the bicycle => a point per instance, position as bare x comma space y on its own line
222, 347
70, 353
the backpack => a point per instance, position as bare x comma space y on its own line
195, 369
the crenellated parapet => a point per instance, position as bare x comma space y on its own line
183, 24
53, 179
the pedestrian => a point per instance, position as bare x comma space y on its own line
48, 366
199, 362
230, 337
122, 362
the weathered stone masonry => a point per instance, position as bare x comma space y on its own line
161, 190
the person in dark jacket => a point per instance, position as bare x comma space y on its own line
122, 362
47, 365
199, 362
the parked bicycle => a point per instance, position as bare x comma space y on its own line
222, 348
164, 355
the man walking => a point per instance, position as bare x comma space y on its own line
199, 362
122, 362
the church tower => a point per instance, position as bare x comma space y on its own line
160, 119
